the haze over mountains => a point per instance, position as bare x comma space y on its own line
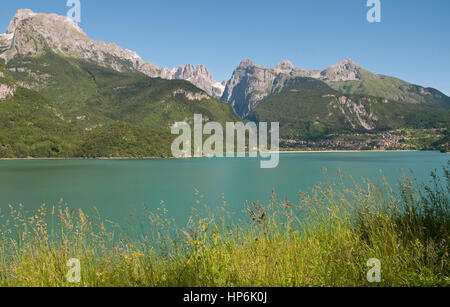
105, 98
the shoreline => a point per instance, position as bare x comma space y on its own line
348, 151
169, 158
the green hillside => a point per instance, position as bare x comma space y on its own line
313, 112
80, 88
30, 128
303, 83
66, 107
394, 89
75, 108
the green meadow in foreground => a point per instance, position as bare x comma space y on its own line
323, 238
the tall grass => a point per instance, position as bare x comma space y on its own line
323, 238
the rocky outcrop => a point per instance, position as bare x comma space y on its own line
285, 67
356, 114
32, 33
346, 70
191, 96
199, 76
6, 91
251, 83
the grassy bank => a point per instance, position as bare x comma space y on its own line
323, 238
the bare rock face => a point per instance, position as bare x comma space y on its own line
6, 91
32, 33
358, 115
200, 77
191, 96
285, 67
251, 83
346, 70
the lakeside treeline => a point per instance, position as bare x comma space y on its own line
325, 237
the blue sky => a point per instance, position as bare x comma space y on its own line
412, 42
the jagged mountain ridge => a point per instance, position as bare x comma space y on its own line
96, 88
251, 83
65, 95
32, 33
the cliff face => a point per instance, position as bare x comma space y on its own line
249, 84
6, 91
252, 83
33, 34
199, 76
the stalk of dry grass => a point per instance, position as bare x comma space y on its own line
324, 238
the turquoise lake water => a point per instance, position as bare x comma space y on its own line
117, 187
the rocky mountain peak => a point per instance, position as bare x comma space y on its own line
31, 33
249, 86
246, 63
347, 64
345, 70
200, 77
284, 67
20, 15
347, 61
40, 20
